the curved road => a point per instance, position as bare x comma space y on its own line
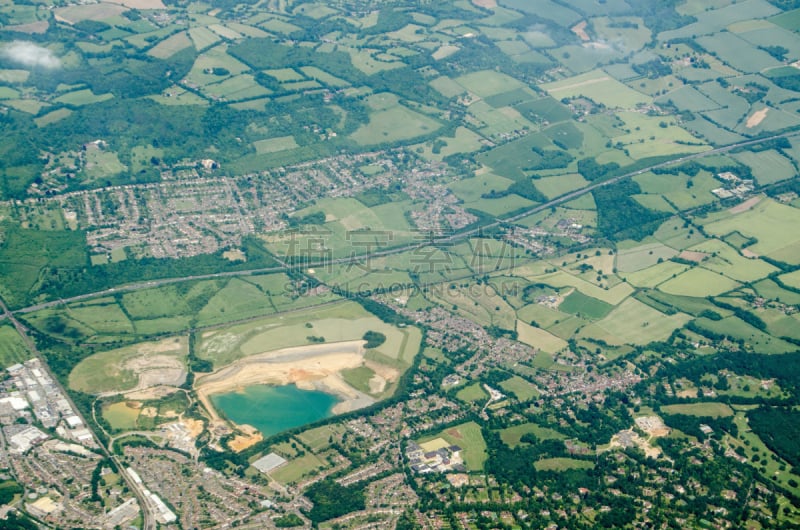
397, 250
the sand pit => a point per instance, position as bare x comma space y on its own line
579, 29
314, 366
756, 118
249, 437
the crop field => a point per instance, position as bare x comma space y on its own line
727, 261
539, 338
480, 303
580, 304
656, 274
521, 388
236, 301
468, 437
699, 282
240, 87
643, 256
393, 125
760, 222
611, 296
512, 436
488, 83
711, 409
542, 315
633, 322
12, 348
737, 52
768, 166
738, 329
599, 87
121, 415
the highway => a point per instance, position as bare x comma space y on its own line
405, 248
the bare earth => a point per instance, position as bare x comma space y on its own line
746, 205
315, 366
756, 118
489, 4
579, 29
250, 437
692, 255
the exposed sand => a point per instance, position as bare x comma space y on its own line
579, 29
315, 366
250, 437
692, 255
756, 118
747, 253
489, 4
746, 205
157, 370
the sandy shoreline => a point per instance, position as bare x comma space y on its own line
311, 367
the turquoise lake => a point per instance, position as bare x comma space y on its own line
273, 409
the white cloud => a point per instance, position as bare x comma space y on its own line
30, 54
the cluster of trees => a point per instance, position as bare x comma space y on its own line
374, 339
332, 500
620, 216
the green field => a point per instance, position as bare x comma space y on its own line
520, 387
759, 222
632, 322
561, 464
467, 436
711, 409
580, 304
472, 393
13, 349
698, 282
512, 436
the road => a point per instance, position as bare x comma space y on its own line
147, 514
405, 248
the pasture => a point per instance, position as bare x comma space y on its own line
599, 87
760, 222
395, 124
710, 409
577, 303
521, 388
539, 338
512, 436
643, 256
632, 322
473, 393
698, 282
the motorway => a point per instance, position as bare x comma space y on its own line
405, 248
